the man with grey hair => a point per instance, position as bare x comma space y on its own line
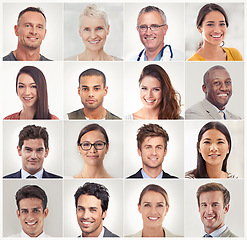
217, 86
152, 28
31, 31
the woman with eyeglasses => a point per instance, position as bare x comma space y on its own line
93, 144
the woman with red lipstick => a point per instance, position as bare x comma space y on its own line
159, 98
212, 23
213, 149
32, 90
93, 144
153, 205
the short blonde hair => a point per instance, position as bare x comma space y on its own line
96, 11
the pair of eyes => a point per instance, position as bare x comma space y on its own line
29, 25
99, 144
96, 29
213, 205
147, 205
87, 89
153, 27
208, 142
213, 24
154, 89
24, 211
218, 83
92, 210
31, 150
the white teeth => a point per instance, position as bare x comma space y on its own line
93, 42
30, 224
150, 38
222, 95
86, 223
27, 98
152, 218
149, 101
216, 36
209, 218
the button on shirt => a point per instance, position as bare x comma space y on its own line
216, 233
25, 174
144, 175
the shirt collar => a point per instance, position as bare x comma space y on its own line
157, 58
101, 233
24, 174
23, 234
217, 232
144, 175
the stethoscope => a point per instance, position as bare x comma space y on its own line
162, 52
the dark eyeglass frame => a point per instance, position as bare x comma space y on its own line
150, 27
93, 144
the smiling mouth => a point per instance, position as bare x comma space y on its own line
217, 36
86, 223
153, 218
149, 101
214, 155
27, 98
94, 42
149, 38
209, 218
222, 95
31, 223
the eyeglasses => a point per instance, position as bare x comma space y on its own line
153, 27
98, 145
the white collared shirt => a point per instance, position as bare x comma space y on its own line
25, 174
217, 232
144, 175
23, 234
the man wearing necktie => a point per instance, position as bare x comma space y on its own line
213, 202
217, 86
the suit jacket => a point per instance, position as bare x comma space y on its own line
206, 110
108, 233
45, 175
227, 233
139, 175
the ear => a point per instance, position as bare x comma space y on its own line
199, 29
139, 152
104, 214
165, 29
19, 151
106, 90
16, 30
79, 91
108, 29
226, 208
46, 211
167, 209
18, 213
204, 88
107, 148
165, 152
46, 152
45, 34
139, 207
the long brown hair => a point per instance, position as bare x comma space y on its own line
171, 100
42, 109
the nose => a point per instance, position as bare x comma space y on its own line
150, 93
213, 147
90, 93
223, 87
30, 216
33, 30
27, 90
34, 154
92, 34
86, 214
93, 149
209, 209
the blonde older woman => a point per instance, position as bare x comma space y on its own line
94, 29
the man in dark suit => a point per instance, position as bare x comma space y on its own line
33, 149
91, 201
152, 148
213, 202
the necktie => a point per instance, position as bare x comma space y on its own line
222, 115
30, 176
207, 235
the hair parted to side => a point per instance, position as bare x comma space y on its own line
154, 188
210, 187
204, 11
94, 189
171, 102
152, 9
42, 108
151, 130
31, 191
92, 127
206, 75
93, 72
33, 132
30, 9
201, 171
96, 11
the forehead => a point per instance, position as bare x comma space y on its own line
212, 196
213, 133
153, 141
150, 196
153, 17
91, 81
34, 143
150, 81
30, 203
32, 17
25, 78
214, 15
93, 136
220, 74
92, 21
89, 201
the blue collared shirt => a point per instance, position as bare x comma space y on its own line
217, 232
25, 174
157, 58
144, 175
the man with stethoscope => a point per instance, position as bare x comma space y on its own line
152, 27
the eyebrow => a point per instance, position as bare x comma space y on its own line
92, 86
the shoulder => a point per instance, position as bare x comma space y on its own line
111, 116
232, 116
228, 233
167, 175
43, 58
129, 117
53, 117
196, 111
196, 57
177, 55
108, 233
14, 116
14, 175
138, 234
50, 175
233, 54
72, 58
190, 174
78, 114
117, 58
136, 175
169, 234
9, 57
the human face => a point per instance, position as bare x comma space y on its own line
153, 209
93, 156
152, 40
27, 90
150, 92
32, 215
93, 32
92, 91
153, 150
89, 215
213, 147
212, 210
218, 88
213, 28
33, 153
31, 30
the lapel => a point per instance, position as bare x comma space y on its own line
210, 109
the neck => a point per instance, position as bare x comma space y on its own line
95, 233
93, 172
151, 54
27, 54
97, 113
211, 52
153, 231
27, 112
145, 113
215, 171
152, 172
99, 55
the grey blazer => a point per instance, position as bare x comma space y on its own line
108, 233
227, 233
205, 110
